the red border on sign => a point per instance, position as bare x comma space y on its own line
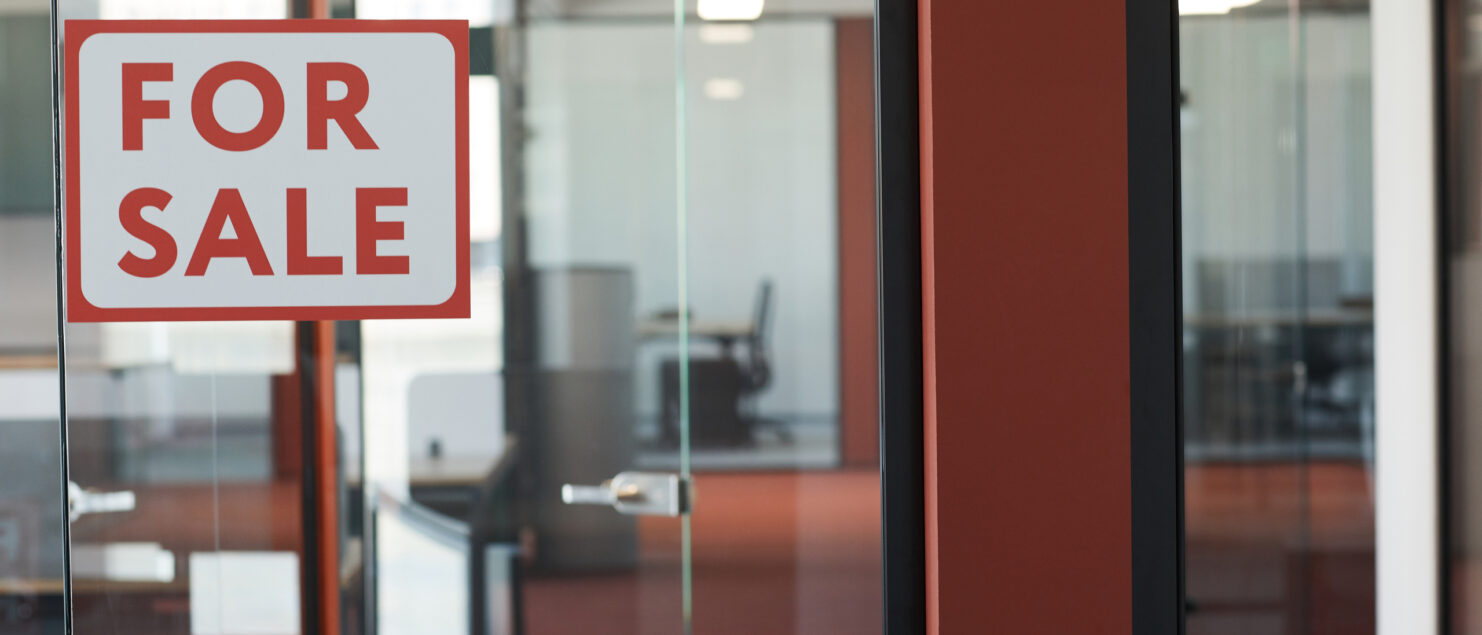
79, 309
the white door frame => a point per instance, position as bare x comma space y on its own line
1407, 301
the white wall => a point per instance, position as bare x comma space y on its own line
1277, 144
761, 180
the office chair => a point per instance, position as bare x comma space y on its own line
756, 374
724, 390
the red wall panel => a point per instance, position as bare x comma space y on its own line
1025, 299
858, 305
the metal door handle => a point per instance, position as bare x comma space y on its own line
81, 501
634, 493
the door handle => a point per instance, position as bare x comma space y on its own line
81, 501
634, 493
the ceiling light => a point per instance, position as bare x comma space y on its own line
730, 9
724, 88
1211, 7
725, 33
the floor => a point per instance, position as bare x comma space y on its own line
1280, 547
775, 553
1274, 548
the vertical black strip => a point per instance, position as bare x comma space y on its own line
521, 325
306, 339
61, 269
1153, 240
898, 179
1450, 25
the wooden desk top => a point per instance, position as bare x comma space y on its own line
457, 471
729, 329
449, 471
53, 586
29, 361
1253, 319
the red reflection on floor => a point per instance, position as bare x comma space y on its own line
776, 553
1280, 547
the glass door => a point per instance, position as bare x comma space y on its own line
660, 416
1278, 341
524, 470
525, 423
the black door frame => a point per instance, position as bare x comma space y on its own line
1155, 257
898, 232
1155, 301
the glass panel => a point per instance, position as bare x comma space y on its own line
186, 454
781, 280
31, 519
672, 247
602, 242
453, 437
1463, 253
473, 426
1278, 339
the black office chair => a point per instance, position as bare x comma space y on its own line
723, 390
756, 374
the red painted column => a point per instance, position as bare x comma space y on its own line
1025, 300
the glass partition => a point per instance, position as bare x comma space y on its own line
31, 517
185, 442
672, 281
1278, 384
1462, 270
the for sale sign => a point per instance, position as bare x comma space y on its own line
266, 170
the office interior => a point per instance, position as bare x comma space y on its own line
1278, 268
453, 438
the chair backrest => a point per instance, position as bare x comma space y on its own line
762, 319
760, 366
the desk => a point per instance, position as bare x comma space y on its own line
1280, 318
457, 486
29, 361
457, 470
53, 586
723, 332
452, 471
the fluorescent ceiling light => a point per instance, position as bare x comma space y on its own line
1211, 7
724, 88
725, 33
478, 12
193, 9
730, 9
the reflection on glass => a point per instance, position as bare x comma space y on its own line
1278, 336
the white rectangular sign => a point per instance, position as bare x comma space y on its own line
266, 170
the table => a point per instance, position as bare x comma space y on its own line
723, 332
